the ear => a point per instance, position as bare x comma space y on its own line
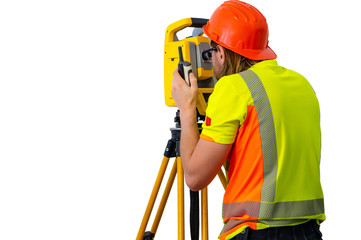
222, 54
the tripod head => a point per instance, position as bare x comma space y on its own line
200, 119
193, 49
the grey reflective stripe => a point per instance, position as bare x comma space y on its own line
233, 209
292, 209
279, 210
268, 134
274, 214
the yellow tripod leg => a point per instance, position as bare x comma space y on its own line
164, 199
152, 198
222, 178
204, 199
180, 180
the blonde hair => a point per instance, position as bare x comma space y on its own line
234, 62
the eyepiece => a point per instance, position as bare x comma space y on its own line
207, 55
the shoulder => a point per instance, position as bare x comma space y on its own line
230, 84
232, 87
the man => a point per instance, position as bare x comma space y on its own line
263, 124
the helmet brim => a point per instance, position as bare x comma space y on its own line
264, 54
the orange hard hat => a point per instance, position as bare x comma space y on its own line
240, 27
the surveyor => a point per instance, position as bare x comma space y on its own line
263, 124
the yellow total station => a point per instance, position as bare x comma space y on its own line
192, 48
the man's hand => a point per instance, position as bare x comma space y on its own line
184, 96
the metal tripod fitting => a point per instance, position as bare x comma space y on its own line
148, 236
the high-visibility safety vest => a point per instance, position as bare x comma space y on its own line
271, 116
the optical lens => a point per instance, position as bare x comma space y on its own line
207, 55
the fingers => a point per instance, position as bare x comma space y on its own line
193, 80
177, 79
176, 73
184, 95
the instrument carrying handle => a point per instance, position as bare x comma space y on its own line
198, 22
181, 24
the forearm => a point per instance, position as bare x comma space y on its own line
201, 159
189, 138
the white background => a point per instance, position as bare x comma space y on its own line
83, 124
